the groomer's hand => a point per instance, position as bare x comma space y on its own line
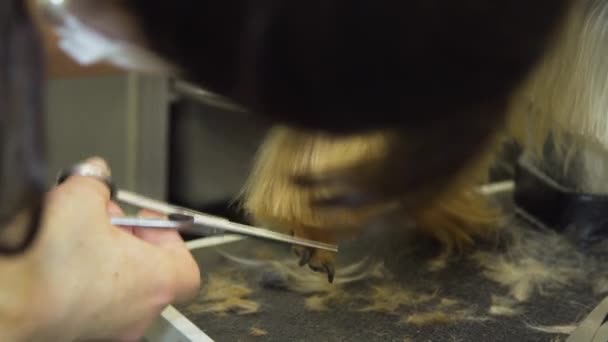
98, 281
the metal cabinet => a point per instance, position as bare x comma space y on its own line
155, 133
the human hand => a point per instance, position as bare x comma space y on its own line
93, 280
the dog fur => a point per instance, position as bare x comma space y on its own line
566, 95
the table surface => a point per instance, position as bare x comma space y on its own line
284, 316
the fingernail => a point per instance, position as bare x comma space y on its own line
305, 258
329, 269
98, 162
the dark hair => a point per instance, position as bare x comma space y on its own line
437, 74
22, 166
353, 64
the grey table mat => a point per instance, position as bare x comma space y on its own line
285, 318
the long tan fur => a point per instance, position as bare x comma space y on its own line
566, 98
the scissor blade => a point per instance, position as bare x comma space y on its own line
206, 220
149, 223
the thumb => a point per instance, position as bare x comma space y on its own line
94, 189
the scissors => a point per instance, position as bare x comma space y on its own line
190, 221
594, 328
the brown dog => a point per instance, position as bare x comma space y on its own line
566, 93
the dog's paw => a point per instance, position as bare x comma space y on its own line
317, 260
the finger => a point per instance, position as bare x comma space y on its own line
115, 210
188, 272
186, 269
155, 236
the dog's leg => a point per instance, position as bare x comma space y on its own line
273, 200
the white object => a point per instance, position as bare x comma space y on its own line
87, 46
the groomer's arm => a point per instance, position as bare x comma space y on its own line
58, 64
61, 66
86, 279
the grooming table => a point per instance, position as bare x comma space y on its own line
284, 317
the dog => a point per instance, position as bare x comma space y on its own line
563, 101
